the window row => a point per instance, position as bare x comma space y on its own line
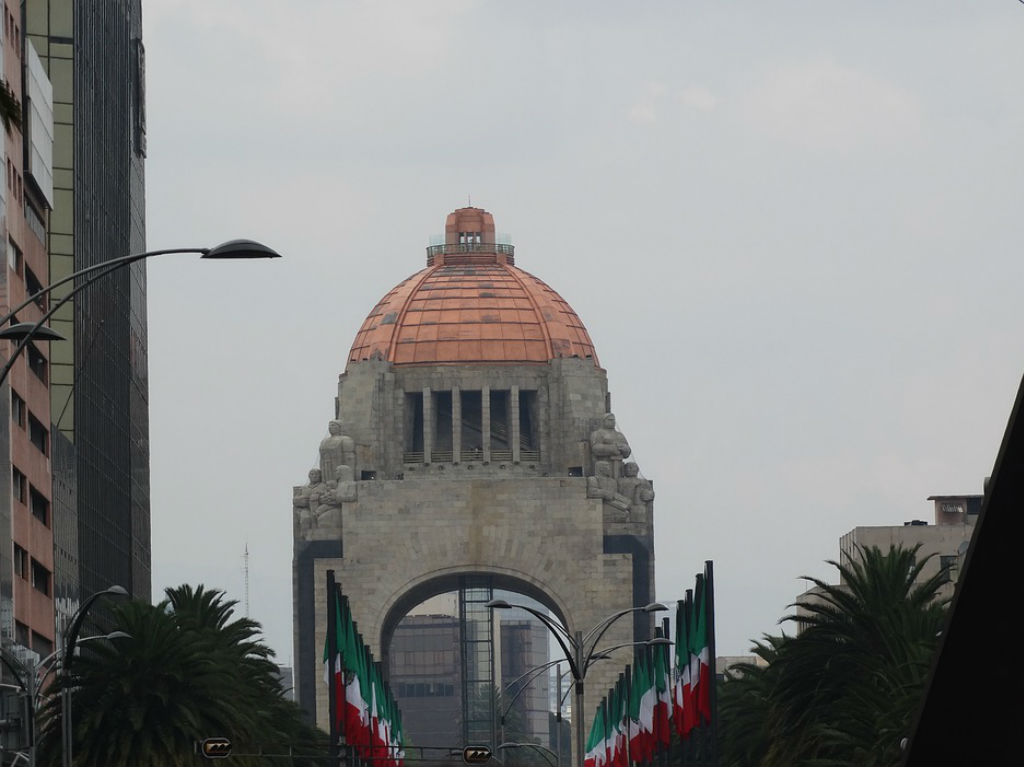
469, 422
425, 690
14, 180
21, 416
12, 30
24, 491
26, 567
33, 640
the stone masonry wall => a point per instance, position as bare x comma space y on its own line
543, 532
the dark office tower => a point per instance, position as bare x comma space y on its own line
92, 50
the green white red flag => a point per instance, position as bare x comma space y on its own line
663, 707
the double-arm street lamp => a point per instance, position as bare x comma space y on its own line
68, 658
542, 749
23, 332
31, 679
581, 651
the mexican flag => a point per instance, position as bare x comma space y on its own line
356, 688
700, 652
333, 672
648, 702
618, 712
595, 755
680, 712
635, 730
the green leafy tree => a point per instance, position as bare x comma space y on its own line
189, 671
845, 689
10, 107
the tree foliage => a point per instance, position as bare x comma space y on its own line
189, 671
10, 107
845, 688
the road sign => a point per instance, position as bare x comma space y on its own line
216, 748
476, 754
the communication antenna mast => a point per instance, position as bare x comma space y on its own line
245, 573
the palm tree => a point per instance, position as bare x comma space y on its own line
10, 107
745, 705
844, 690
186, 672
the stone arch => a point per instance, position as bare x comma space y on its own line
442, 581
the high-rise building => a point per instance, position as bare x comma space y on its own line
426, 678
26, 198
93, 52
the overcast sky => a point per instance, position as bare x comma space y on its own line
794, 231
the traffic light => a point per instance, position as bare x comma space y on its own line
215, 748
476, 754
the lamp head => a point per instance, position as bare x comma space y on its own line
498, 604
241, 249
654, 607
659, 642
24, 330
116, 591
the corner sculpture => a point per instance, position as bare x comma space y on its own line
638, 492
317, 504
336, 450
609, 444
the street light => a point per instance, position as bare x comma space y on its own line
580, 651
536, 671
23, 332
31, 684
67, 659
544, 750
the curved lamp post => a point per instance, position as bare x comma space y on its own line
580, 651
541, 749
23, 332
31, 680
68, 658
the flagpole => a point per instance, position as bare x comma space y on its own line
332, 651
629, 712
709, 600
343, 735
689, 740
665, 624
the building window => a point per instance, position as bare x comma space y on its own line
33, 286
947, 567
40, 506
40, 578
37, 363
20, 562
413, 427
21, 633
14, 257
17, 409
41, 645
38, 435
18, 485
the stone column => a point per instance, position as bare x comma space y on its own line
513, 422
456, 424
428, 423
485, 422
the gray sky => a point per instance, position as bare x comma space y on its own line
793, 230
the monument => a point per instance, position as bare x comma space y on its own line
472, 448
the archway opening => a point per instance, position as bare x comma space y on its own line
464, 674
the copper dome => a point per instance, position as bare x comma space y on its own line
471, 304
